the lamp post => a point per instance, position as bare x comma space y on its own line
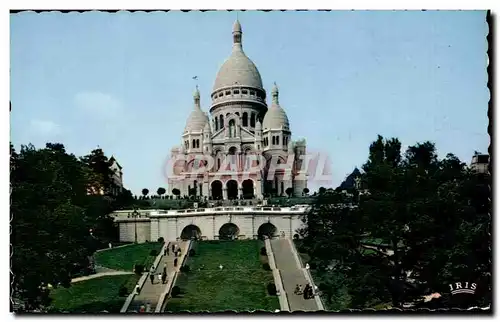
135, 214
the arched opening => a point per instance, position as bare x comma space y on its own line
245, 119
229, 231
269, 230
216, 187
252, 120
216, 124
231, 158
232, 189
247, 186
221, 121
232, 128
282, 188
190, 232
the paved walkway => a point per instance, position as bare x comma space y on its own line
291, 275
89, 277
150, 293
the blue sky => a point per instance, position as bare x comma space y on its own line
124, 81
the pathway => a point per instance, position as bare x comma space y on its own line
89, 277
150, 293
291, 274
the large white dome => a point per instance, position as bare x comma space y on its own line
238, 69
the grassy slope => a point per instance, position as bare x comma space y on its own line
124, 258
240, 285
92, 296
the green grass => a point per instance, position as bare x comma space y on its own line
239, 286
92, 296
124, 258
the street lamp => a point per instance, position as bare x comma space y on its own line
135, 214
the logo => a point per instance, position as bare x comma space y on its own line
313, 166
461, 288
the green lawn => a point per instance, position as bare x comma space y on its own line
92, 296
239, 286
124, 258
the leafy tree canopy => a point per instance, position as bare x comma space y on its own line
423, 224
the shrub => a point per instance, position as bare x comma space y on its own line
192, 252
185, 269
263, 251
122, 292
296, 236
271, 289
138, 268
266, 267
153, 252
161, 240
323, 286
176, 291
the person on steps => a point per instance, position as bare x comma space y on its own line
164, 277
175, 262
152, 278
297, 289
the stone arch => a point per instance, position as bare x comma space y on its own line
229, 231
191, 231
232, 189
248, 188
267, 229
216, 187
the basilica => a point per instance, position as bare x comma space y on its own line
240, 124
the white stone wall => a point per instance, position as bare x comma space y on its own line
128, 229
170, 228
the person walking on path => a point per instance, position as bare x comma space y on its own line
175, 262
173, 248
163, 277
152, 278
160, 278
165, 251
137, 288
307, 266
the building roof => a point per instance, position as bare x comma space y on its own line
275, 117
112, 160
238, 69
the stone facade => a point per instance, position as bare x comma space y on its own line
236, 145
149, 225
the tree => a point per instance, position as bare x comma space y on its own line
145, 192
305, 191
176, 192
161, 191
100, 173
322, 190
411, 234
49, 225
289, 191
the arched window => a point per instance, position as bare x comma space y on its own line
274, 140
197, 143
252, 120
282, 188
221, 121
218, 163
194, 144
277, 140
216, 123
245, 119
232, 129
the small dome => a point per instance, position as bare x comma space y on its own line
238, 69
197, 119
275, 117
